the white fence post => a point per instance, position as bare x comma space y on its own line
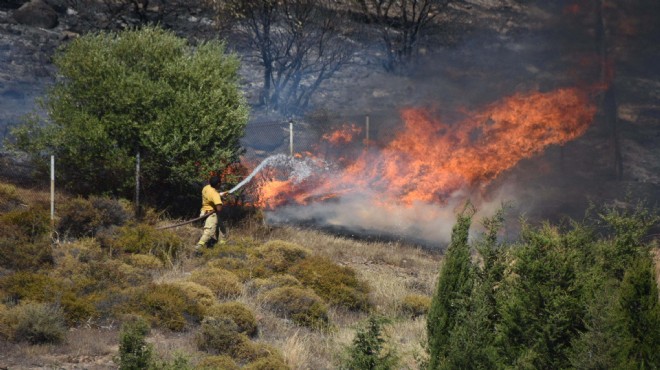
52, 193
137, 186
366, 140
291, 138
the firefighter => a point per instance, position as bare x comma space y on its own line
211, 203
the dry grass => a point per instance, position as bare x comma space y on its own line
391, 270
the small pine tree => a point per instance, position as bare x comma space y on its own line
367, 351
454, 286
134, 351
639, 313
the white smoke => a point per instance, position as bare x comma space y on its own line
360, 214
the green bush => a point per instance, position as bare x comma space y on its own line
145, 239
249, 351
219, 335
415, 305
267, 363
368, 349
112, 212
336, 284
144, 261
278, 255
165, 305
141, 90
32, 223
38, 323
24, 285
239, 313
276, 281
78, 309
101, 275
240, 267
223, 362
134, 351
197, 293
9, 198
18, 253
222, 282
300, 305
78, 218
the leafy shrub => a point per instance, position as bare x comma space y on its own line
110, 211
262, 285
9, 198
28, 285
179, 361
6, 322
218, 335
197, 293
414, 305
222, 282
336, 284
23, 285
301, 305
32, 223
24, 243
165, 305
102, 275
38, 323
367, 350
267, 363
239, 267
239, 313
134, 351
18, 253
278, 255
78, 218
78, 309
144, 261
145, 239
223, 362
249, 351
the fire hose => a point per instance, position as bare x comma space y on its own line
232, 190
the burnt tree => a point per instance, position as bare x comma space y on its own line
401, 23
299, 43
609, 99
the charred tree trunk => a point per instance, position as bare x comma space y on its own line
609, 105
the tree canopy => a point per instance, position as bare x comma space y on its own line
143, 91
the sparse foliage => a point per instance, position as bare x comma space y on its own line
402, 24
299, 43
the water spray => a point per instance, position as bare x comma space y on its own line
277, 159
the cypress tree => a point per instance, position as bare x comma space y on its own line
639, 313
454, 286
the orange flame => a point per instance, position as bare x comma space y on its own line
344, 135
429, 160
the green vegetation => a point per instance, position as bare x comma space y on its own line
140, 91
36, 323
573, 295
580, 295
301, 305
134, 351
223, 283
336, 284
165, 305
368, 350
239, 313
415, 305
